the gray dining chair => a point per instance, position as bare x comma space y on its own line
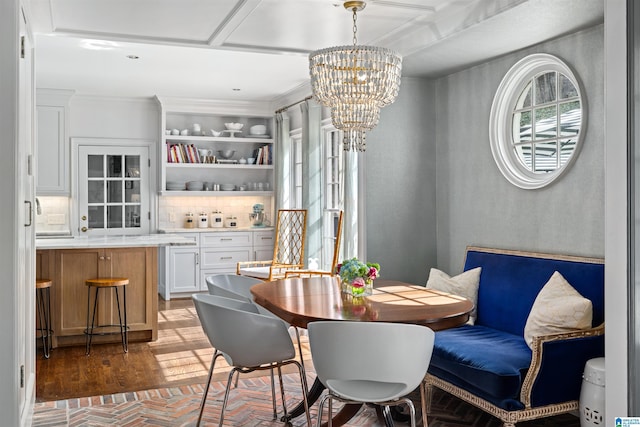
248, 341
370, 362
239, 287
232, 286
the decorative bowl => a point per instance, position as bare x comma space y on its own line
258, 130
195, 185
216, 132
226, 154
234, 126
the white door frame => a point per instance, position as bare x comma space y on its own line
113, 142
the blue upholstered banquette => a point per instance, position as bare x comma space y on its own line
489, 363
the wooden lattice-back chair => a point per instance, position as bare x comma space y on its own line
288, 250
334, 261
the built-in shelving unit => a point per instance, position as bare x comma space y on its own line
180, 115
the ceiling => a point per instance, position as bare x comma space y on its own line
258, 49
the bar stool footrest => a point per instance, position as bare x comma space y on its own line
116, 330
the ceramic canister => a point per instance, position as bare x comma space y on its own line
231, 222
188, 220
216, 219
203, 220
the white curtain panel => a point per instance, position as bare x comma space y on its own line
312, 192
353, 208
283, 163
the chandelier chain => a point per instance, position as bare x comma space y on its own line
355, 27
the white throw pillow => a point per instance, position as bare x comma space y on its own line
557, 308
464, 284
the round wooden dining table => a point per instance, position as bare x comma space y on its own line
299, 301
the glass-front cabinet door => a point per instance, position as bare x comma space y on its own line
113, 190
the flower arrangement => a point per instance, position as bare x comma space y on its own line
357, 277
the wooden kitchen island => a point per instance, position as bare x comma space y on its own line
69, 262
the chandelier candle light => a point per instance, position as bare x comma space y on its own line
355, 82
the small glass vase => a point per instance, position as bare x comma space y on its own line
358, 291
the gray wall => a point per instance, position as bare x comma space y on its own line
476, 205
401, 185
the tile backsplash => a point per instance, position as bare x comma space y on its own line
172, 211
54, 211
53, 216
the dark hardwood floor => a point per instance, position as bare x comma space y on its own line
181, 355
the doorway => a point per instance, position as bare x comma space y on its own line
114, 187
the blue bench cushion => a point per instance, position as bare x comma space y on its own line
484, 361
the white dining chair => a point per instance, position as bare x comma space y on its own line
249, 341
370, 362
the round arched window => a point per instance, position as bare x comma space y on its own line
537, 121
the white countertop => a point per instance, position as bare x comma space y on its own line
160, 239
213, 229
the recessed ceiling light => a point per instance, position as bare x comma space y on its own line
98, 44
235, 89
133, 57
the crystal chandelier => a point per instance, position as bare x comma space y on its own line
355, 82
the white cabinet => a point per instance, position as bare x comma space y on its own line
183, 263
190, 157
221, 251
184, 269
178, 265
263, 245
52, 144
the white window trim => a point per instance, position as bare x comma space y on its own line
500, 120
327, 129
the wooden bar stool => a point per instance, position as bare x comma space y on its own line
114, 283
43, 308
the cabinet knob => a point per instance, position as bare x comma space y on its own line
84, 217
84, 229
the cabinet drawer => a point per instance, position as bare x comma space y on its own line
194, 237
217, 258
262, 254
264, 238
225, 239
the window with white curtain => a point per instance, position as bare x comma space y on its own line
338, 173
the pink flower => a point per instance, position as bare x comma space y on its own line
373, 273
358, 282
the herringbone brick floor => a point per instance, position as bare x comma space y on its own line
249, 406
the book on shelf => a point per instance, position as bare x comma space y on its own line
263, 155
183, 153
